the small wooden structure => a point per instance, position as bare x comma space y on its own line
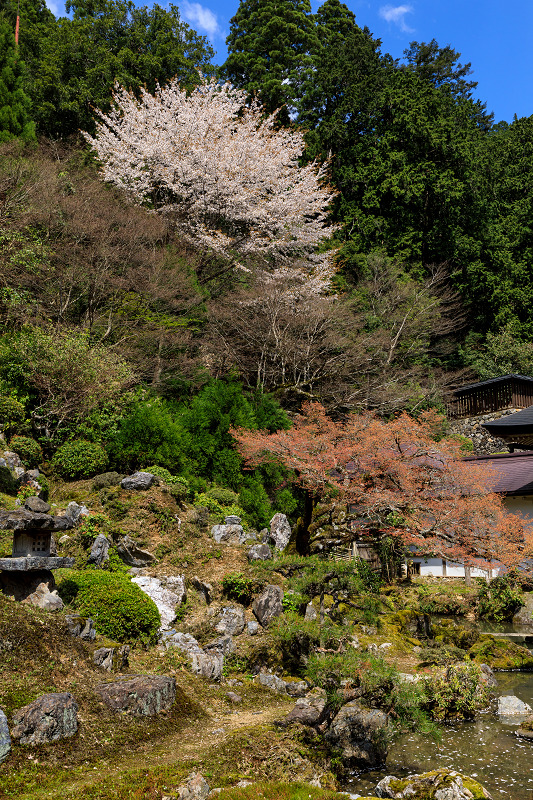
496, 394
27, 544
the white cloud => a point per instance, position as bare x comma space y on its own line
396, 15
202, 18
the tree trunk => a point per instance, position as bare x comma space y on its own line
468, 576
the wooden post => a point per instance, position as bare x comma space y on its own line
468, 576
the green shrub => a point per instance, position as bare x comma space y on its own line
12, 413
237, 586
79, 459
203, 500
148, 433
457, 691
499, 599
105, 480
118, 607
293, 601
225, 497
28, 449
167, 477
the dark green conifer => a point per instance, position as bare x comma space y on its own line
14, 102
269, 50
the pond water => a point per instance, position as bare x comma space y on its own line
486, 749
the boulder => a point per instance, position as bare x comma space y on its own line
259, 552
5, 739
74, 513
142, 696
310, 612
233, 697
524, 617
139, 481
296, 688
252, 627
132, 555
223, 645
307, 711
112, 659
50, 717
23, 520
99, 551
441, 784
166, 597
358, 733
36, 587
487, 676
209, 665
228, 534
12, 459
83, 627
511, 706
231, 621
37, 505
183, 641
271, 682
232, 519
280, 531
268, 605
196, 788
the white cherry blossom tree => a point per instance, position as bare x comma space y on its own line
228, 177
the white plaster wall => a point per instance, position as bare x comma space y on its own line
520, 505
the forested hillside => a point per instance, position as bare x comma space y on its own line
368, 246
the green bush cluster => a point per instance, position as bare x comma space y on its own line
79, 459
456, 691
12, 413
237, 586
28, 449
118, 607
500, 598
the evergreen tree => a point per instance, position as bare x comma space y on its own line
269, 48
14, 102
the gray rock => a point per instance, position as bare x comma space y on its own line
487, 676
99, 551
271, 682
524, 617
36, 587
296, 688
12, 460
264, 535
142, 696
442, 784
196, 788
231, 621
5, 739
138, 482
183, 641
112, 659
252, 627
358, 733
223, 645
74, 513
259, 552
208, 665
310, 612
166, 597
205, 590
511, 706
37, 505
233, 697
228, 534
33, 563
83, 627
307, 711
132, 555
268, 605
232, 519
280, 531
50, 717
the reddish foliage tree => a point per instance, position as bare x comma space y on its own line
400, 481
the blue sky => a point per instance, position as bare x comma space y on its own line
496, 36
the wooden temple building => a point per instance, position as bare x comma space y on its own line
495, 394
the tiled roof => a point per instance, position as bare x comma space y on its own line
518, 423
492, 381
513, 472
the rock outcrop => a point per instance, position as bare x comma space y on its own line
99, 551
167, 595
511, 706
132, 555
268, 605
112, 659
52, 716
280, 531
259, 552
5, 739
359, 733
139, 481
36, 587
142, 696
441, 784
231, 621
